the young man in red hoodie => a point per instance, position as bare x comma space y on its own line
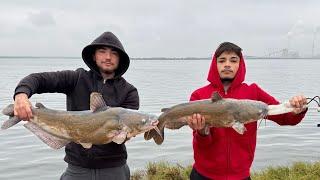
222, 153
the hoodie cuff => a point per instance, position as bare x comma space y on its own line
22, 89
202, 140
302, 114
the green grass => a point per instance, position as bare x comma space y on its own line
297, 171
163, 171
166, 171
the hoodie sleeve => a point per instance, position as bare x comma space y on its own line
199, 139
48, 82
132, 100
282, 119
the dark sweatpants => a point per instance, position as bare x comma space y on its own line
196, 176
78, 173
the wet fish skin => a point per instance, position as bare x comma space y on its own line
57, 128
217, 111
221, 114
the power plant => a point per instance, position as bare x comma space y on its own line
289, 52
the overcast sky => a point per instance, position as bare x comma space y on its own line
153, 28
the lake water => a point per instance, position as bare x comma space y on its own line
163, 83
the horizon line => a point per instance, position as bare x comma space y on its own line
146, 58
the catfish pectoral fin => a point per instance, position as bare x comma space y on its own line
120, 138
239, 127
50, 140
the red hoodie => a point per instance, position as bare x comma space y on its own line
225, 154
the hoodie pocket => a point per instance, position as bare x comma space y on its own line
241, 154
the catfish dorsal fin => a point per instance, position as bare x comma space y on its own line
164, 109
215, 97
39, 105
96, 102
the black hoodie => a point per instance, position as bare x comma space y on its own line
78, 85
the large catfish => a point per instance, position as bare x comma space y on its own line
218, 112
100, 125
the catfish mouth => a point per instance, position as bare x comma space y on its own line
151, 125
154, 123
154, 127
264, 113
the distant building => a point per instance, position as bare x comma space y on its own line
284, 53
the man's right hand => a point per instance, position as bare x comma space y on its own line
22, 107
197, 122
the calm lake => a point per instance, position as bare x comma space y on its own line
163, 83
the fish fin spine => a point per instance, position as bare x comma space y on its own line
216, 97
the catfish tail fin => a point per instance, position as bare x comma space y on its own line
156, 134
13, 120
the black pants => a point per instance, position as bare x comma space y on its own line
78, 173
196, 176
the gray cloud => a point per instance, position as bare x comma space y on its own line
158, 28
41, 19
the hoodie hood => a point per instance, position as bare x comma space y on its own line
214, 77
110, 40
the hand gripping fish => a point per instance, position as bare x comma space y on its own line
101, 125
218, 112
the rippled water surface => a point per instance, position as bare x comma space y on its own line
163, 84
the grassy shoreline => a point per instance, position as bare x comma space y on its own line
167, 171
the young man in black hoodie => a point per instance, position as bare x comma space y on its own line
107, 61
